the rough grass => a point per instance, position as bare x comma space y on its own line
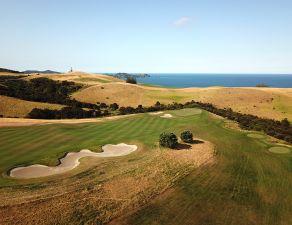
13, 107
79, 77
246, 185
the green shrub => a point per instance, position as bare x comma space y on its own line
187, 136
131, 80
168, 140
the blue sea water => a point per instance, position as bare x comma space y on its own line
181, 80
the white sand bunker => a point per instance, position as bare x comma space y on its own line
279, 150
156, 113
166, 115
71, 161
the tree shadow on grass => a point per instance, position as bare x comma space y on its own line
182, 146
197, 142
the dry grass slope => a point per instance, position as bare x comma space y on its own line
264, 102
79, 77
13, 107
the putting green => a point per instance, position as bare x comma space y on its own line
279, 150
187, 112
258, 136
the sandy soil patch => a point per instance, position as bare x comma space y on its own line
71, 161
258, 136
155, 113
166, 115
279, 150
197, 153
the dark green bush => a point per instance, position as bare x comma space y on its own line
187, 136
168, 140
131, 80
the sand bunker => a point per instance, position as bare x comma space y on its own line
279, 150
70, 161
258, 136
156, 113
166, 115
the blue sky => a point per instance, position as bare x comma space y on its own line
210, 36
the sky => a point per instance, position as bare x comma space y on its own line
153, 36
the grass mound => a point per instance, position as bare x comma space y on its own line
279, 150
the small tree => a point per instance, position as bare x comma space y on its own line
103, 105
131, 80
285, 123
168, 140
187, 136
114, 106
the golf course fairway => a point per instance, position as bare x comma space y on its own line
236, 181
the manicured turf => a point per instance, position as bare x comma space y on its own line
45, 144
279, 150
186, 112
259, 136
247, 185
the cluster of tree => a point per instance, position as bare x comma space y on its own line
262, 85
74, 112
278, 129
40, 71
131, 80
68, 112
135, 75
39, 90
9, 77
44, 90
170, 140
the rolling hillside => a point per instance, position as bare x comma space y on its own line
272, 103
275, 103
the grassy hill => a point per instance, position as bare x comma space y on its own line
3, 70
79, 77
13, 107
272, 103
275, 103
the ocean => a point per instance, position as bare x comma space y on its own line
182, 80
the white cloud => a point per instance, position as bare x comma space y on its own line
182, 21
